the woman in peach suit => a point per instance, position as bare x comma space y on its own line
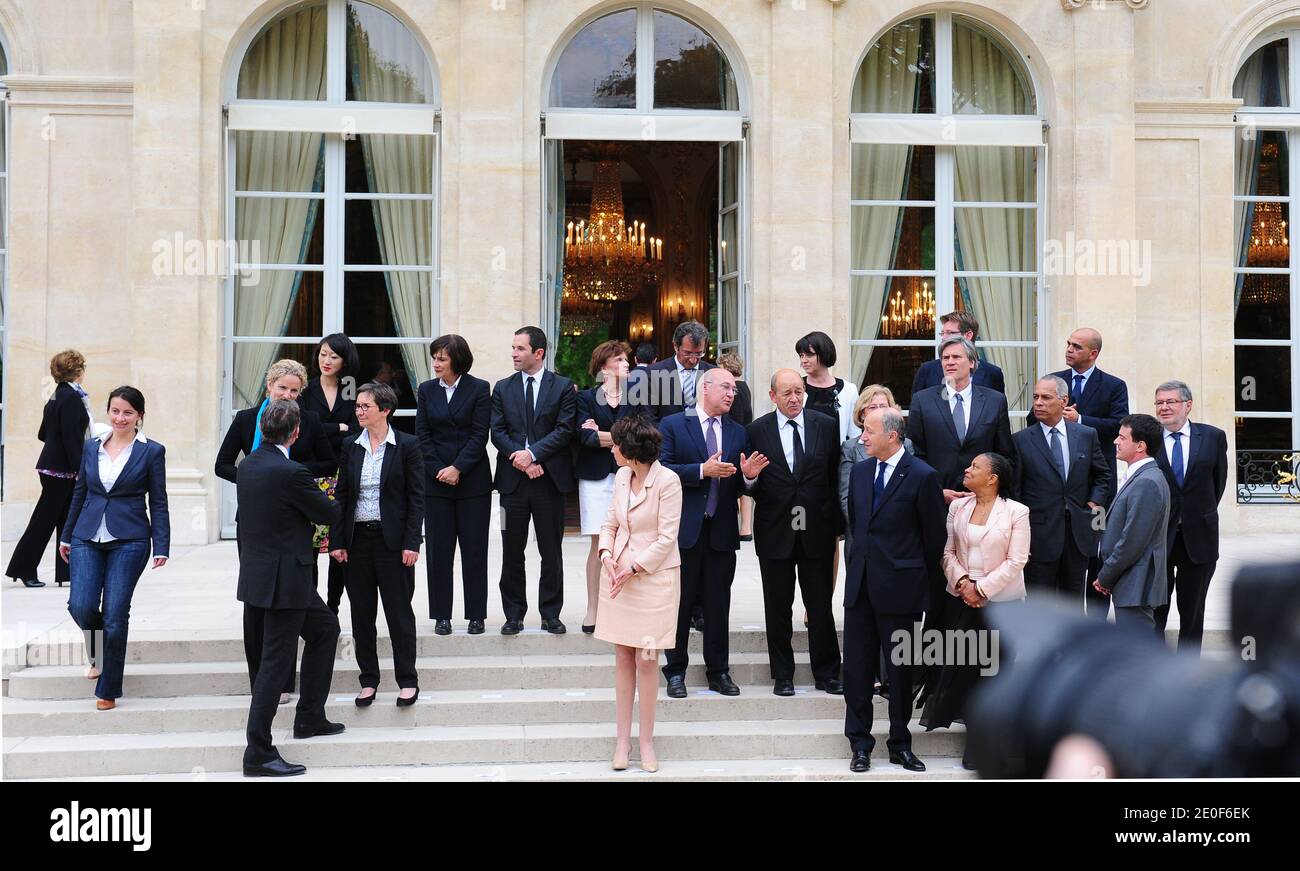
984, 561
640, 580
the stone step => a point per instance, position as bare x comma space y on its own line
484, 673
671, 770
26, 717
200, 752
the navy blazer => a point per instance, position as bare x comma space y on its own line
63, 430
592, 462
897, 553
1059, 508
401, 493
985, 375
1103, 405
455, 435
123, 507
553, 424
682, 452
1195, 505
934, 437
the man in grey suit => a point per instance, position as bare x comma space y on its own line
1133, 545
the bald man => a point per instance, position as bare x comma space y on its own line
793, 476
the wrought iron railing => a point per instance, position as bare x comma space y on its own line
1268, 476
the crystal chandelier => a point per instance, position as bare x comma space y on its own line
1270, 242
580, 316
908, 314
605, 259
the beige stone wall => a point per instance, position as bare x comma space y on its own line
1140, 147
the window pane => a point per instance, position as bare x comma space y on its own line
1019, 370
279, 302
388, 304
269, 160
893, 172
1263, 307
988, 77
598, 67
388, 233
397, 365
1262, 81
728, 248
385, 63
1263, 379
275, 230
1266, 231
287, 59
889, 237
1003, 240
1266, 456
729, 302
252, 359
1263, 165
996, 174
1006, 308
897, 75
389, 164
893, 367
691, 72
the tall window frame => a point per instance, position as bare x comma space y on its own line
4, 253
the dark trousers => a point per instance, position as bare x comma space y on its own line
814, 574
336, 577
706, 573
99, 599
1191, 581
254, 632
1095, 604
449, 523
47, 519
865, 630
282, 627
1064, 576
376, 573
1139, 617
541, 501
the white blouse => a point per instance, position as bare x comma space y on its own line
109, 470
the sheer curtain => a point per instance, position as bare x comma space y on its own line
887, 83
387, 66
287, 62
1262, 81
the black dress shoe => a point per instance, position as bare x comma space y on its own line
677, 687
783, 688
723, 685
512, 627
311, 730
406, 703
442, 627
907, 759
30, 582
966, 763
697, 622
860, 762
832, 686
476, 627
275, 768
555, 627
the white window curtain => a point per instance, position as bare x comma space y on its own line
398, 164
887, 82
287, 62
1261, 82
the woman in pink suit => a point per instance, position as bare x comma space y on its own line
984, 561
640, 580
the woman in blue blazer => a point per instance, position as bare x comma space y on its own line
109, 532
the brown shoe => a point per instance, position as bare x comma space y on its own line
105, 704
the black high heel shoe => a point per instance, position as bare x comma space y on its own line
406, 703
366, 701
589, 629
29, 582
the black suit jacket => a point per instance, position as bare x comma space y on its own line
934, 437
742, 406
1195, 505
344, 411
279, 501
63, 429
897, 554
985, 375
312, 447
811, 493
592, 462
455, 435
401, 493
553, 426
659, 387
1056, 506
1103, 405
683, 451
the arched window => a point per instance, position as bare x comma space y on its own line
946, 202
1265, 301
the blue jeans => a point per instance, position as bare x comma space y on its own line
105, 573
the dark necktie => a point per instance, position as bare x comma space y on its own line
711, 442
959, 417
1076, 393
1054, 442
879, 489
798, 448
1176, 458
528, 411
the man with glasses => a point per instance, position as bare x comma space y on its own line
672, 386
1195, 463
964, 324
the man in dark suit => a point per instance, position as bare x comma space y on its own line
1099, 400
645, 355
794, 479
670, 386
704, 451
1065, 480
1195, 463
280, 502
958, 323
532, 426
954, 423
896, 510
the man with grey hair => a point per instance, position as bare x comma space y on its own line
1195, 463
955, 422
671, 386
279, 506
1065, 481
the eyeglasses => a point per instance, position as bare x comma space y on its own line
694, 355
1169, 403
363, 406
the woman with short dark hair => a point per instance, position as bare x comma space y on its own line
641, 581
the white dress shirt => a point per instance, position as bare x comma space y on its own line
537, 391
109, 470
1132, 470
965, 402
787, 435
451, 389
1064, 448
891, 465
371, 469
284, 449
1083, 385
1187, 446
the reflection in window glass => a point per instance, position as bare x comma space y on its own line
897, 75
598, 67
385, 63
1262, 80
691, 72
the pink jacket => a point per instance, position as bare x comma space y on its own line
1005, 548
642, 527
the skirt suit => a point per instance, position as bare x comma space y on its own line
642, 528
